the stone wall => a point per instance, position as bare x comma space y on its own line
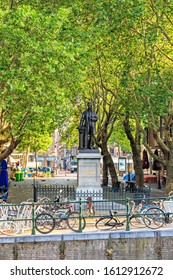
132, 245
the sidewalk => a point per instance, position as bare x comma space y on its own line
155, 192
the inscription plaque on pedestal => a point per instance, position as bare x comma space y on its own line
88, 177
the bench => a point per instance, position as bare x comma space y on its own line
150, 178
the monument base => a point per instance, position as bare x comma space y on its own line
88, 172
88, 181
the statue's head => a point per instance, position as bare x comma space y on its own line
90, 105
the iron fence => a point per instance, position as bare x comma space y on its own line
16, 218
108, 194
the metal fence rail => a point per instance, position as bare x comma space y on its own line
107, 194
16, 218
71, 192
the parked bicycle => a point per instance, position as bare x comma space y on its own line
59, 216
111, 221
135, 216
8, 214
156, 217
138, 210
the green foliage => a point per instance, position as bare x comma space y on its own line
116, 53
36, 142
32, 58
118, 137
122, 48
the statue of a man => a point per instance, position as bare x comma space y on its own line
87, 128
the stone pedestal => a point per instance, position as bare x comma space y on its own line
88, 172
88, 181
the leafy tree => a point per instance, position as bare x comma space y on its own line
133, 41
31, 61
149, 76
116, 53
118, 137
34, 142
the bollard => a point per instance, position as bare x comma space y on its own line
80, 214
33, 220
127, 216
34, 191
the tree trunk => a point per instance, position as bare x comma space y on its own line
4, 153
110, 164
138, 168
136, 150
165, 146
169, 174
105, 173
25, 158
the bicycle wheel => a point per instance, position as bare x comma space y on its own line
9, 227
137, 222
154, 218
60, 219
44, 223
73, 221
106, 223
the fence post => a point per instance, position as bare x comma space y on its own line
127, 215
35, 191
80, 214
33, 220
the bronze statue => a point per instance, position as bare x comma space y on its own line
87, 128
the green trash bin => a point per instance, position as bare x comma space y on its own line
21, 176
17, 175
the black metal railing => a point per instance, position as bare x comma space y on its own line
70, 192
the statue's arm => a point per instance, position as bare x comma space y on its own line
94, 118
